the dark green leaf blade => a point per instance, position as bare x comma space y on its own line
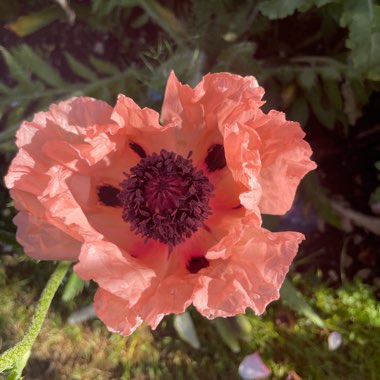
79, 68
38, 66
298, 303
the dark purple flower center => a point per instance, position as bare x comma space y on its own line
165, 198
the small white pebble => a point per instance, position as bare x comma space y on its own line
334, 341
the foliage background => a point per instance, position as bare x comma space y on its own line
319, 61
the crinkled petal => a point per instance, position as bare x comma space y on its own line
40, 237
241, 146
251, 274
118, 273
197, 112
42, 241
62, 209
115, 313
213, 94
171, 296
142, 126
285, 158
146, 293
51, 147
59, 136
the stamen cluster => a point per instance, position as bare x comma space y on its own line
165, 198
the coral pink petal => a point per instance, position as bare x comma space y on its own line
194, 110
61, 208
241, 145
250, 276
51, 147
226, 190
142, 126
183, 108
115, 313
285, 160
26, 174
118, 273
220, 93
172, 295
67, 120
144, 293
43, 241
83, 112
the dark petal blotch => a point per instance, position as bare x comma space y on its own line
137, 149
196, 263
215, 159
108, 195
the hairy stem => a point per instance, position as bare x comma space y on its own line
16, 357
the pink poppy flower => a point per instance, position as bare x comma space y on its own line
163, 213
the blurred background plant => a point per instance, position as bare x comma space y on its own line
319, 61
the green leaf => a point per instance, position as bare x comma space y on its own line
330, 73
323, 113
278, 9
244, 327
73, 287
237, 56
227, 333
165, 18
185, 328
360, 91
16, 373
296, 301
79, 68
307, 78
34, 21
299, 111
188, 65
17, 71
307, 4
105, 7
38, 66
333, 93
103, 67
362, 18
17, 113
106, 95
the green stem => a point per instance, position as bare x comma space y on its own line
14, 358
